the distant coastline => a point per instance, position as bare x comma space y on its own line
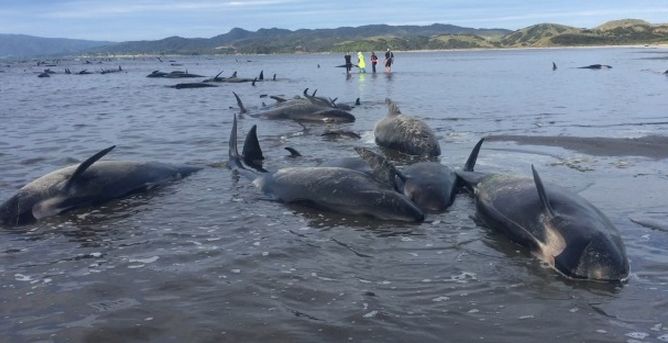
435, 37
628, 46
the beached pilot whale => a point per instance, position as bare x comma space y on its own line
405, 134
192, 85
335, 189
430, 185
596, 66
90, 183
310, 109
558, 226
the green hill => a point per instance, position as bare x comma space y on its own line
536, 36
362, 38
616, 32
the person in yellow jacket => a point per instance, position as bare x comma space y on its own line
360, 62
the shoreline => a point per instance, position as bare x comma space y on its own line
626, 46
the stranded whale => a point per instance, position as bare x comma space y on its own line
558, 226
405, 134
90, 183
334, 189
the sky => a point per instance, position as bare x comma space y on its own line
122, 20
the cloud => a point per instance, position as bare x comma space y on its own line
83, 9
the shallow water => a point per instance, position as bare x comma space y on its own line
209, 259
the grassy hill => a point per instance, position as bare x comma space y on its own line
536, 35
403, 37
616, 32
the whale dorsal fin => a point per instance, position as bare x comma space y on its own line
306, 92
234, 74
261, 77
467, 176
392, 108
357, 102
293, 152
274, 78
473, 157
383, 171
314, 92
252, 152
242, 109
544, 200
85, 165
233, 151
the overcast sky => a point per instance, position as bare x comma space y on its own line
121, 20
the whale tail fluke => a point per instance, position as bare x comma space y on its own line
252, 153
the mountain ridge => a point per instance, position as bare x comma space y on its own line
20, 45
370, 37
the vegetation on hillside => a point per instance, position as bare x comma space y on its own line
407, 37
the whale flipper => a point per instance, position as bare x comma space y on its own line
293, 152
278, 98
84, 165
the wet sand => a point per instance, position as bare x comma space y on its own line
652, 146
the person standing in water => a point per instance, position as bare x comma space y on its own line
361, 63
374, 61
389, 59
349, 65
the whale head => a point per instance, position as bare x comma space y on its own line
431, 199
600, 258
17, 210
